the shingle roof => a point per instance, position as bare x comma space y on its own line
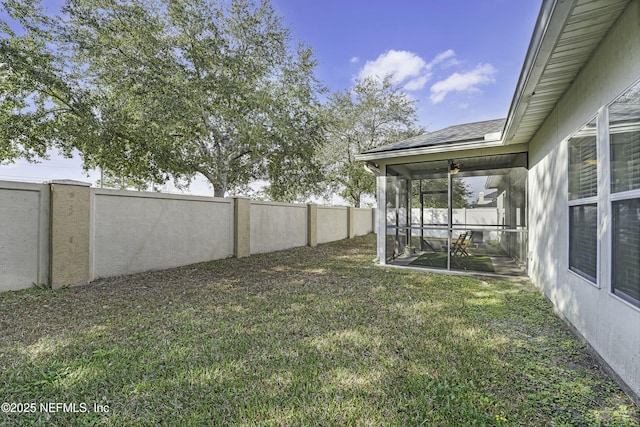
453, 134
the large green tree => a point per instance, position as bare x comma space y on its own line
154, 89
370, 114
435, 193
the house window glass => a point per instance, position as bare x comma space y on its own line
625, 153
583, 207
625, 161
583, 178
626, 249
624, 140
582, 240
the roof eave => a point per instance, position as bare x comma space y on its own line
549, 26
441, 148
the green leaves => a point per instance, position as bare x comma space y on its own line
43, 101
371, 114
149, 89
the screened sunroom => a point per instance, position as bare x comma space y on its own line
448, 205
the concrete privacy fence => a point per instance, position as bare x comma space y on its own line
137, 231
276, 226
333, 223
24, 235
67, 233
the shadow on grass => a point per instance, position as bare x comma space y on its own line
314, 336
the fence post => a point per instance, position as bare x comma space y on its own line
312, 225
351, 226
70, 233
242, 227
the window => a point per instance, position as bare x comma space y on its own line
624, 130
583, 229
626, 249
583, 207
625, 161
583, 179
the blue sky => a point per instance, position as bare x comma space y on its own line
484, 43
459, 59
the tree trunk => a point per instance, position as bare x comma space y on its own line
356, 200
218, 191
219, 183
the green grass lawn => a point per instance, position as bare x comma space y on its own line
311, 336
470, 263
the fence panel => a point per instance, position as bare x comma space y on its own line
363, 221
277, 226
24, 235
135, 232
332, 224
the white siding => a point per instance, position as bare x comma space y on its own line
610, 325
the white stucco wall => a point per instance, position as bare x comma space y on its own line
277, 226
131, 232
135, 232
478, 217
363, 221
332, 224
24, 235
611, 325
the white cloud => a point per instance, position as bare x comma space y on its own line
441, 57
404, 67
413, 72
445, 59
465, 82
417, 83
450, 63
401, 65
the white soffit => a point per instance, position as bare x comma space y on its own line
566, 35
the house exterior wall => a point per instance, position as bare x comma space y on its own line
610, 325
24, 231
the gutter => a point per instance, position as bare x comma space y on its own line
372, 168
489, 140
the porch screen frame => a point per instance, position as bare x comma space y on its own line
449, 227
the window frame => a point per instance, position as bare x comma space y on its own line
593, 280
604, 199
611, 198
618, 197
590, 200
